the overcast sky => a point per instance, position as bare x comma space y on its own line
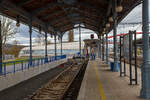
134, 16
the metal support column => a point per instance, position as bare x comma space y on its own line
107, 52
100, 48
121, 72
145, 68
80, 39
130, 56
0, 50
46, 55
135, 56
115, 69
103, 50
55, 46
30, 33
61, 44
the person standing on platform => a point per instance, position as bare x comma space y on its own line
92, 54
87, 53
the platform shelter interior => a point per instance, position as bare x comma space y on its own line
107, 77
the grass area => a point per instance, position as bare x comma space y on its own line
17, 61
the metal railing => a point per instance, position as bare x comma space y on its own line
15, 66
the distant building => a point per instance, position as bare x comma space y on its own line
68, 48
8, 57
71, 36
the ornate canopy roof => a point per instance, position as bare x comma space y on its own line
62, 15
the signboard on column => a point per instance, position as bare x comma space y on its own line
125, 52
92, 36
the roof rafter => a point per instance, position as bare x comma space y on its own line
87, 24
23, 13
23, 2
78, 27
63, 17
79, 10
64, 25
51, 5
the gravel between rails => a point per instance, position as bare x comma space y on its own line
55, 89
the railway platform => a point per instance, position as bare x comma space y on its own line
99, 83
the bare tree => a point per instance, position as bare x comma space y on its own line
40, 39
8, 29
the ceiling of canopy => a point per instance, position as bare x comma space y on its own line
62, 15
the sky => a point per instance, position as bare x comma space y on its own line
134, 16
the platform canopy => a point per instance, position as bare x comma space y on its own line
61, 15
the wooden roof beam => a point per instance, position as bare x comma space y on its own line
109, 7
51, 5
63, 17
9, 5
1, 1
23, 2
88, 24
78, 27
52, 14
60, 11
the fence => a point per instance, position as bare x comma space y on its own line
15, 66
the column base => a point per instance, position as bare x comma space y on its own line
145, 91
115, 69
1, 69
30, 62
46, 60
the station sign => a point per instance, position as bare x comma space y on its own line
92, 36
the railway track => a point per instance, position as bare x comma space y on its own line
57, 88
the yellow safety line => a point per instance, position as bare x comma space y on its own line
102, 94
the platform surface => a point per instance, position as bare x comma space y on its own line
100, 83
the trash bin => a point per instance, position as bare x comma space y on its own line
112, 66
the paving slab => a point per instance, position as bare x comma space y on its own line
99, 81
